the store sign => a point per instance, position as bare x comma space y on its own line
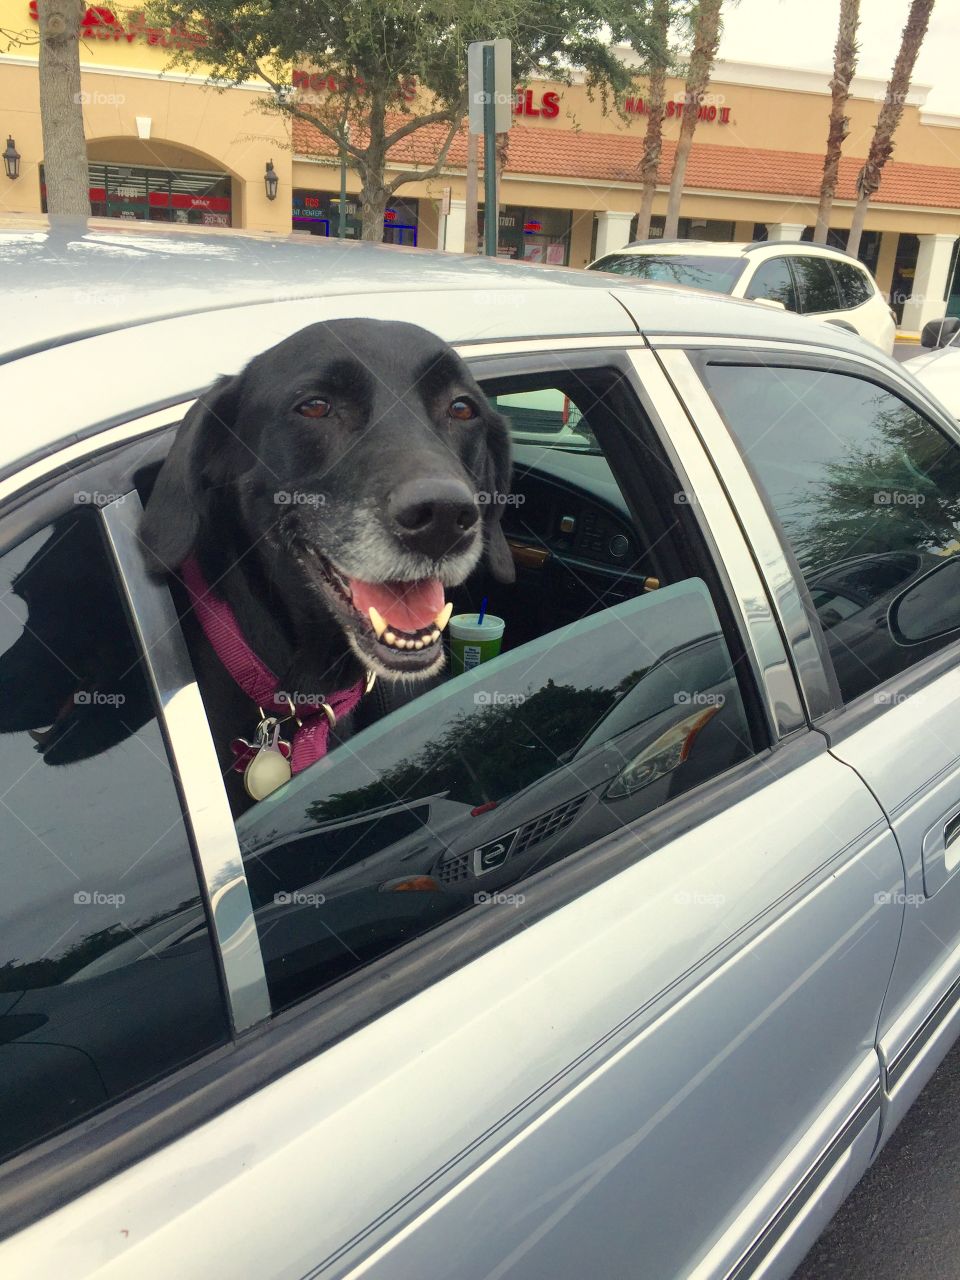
708, 112
547, 105
326, 82
161, 199
100, 23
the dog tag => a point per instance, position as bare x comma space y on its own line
269, 768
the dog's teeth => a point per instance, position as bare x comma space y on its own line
418, 644
434, 637
443, 617
377, 622
401, 643
389, 638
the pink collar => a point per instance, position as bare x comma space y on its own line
220, 626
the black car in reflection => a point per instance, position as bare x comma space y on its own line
341, 873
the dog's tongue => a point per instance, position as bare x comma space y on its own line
406, 606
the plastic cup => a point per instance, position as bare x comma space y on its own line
471, 642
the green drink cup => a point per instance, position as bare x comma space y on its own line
473, 642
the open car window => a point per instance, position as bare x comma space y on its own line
617, 690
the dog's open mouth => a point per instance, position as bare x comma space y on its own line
397, 625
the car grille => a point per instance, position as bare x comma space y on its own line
457, 868
534, 832
547, 825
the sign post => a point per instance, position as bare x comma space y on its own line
490, 87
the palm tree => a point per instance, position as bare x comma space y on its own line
881, 147
706, 40
61, 107
651, 40
844, 66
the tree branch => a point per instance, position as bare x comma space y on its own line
418, 175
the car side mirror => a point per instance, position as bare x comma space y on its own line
930, 606
940, 333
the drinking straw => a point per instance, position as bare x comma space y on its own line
483, 610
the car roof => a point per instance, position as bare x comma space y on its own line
106, 320
733, 249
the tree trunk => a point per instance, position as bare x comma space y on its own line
61, 108
844, 66
706, 39
881, 146
373, 186
656, 104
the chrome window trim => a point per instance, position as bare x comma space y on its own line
219, 863
713, 512
818, 695
93, 444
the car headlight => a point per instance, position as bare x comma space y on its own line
661, 757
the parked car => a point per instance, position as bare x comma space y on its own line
809, 278
939, 366
628, 948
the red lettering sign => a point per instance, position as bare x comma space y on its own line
100, 23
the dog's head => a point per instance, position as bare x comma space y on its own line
364, 464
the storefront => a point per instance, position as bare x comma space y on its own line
317, 213
533, 235
158, 195
162, 145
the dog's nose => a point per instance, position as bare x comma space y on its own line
432, 516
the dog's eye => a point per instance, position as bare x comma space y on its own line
315, 407
462, 409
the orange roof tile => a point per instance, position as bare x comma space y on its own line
613, 157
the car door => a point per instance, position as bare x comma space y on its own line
654, 1041
863, 481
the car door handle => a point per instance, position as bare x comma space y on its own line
941, 851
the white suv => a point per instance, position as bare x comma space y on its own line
825, 283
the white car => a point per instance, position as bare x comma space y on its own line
826, 284
939, 369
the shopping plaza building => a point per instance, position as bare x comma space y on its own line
164, 145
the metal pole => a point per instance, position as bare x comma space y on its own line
470, 195
490, 213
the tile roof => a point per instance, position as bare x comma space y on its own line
615, 157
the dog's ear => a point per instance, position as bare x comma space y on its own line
498, 470
171, 521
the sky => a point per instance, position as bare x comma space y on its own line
802, 33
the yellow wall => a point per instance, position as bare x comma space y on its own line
193, 126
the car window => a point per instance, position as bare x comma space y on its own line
818, 288
547, 417
868, 493
107, 974
854, 283
773, 280
616, 691
698, 271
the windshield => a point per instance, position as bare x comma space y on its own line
718, 274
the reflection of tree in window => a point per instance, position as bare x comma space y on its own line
900, 491
489, 754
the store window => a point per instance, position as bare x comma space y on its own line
714, 229
144, 194
317, 213
534, 235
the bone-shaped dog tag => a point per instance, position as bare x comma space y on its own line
269, 768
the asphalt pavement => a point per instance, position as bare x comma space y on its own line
902, 1221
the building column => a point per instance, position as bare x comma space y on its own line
785, 230
455, 227
743, 231
927, 301
613, 232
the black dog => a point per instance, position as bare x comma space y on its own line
329, 493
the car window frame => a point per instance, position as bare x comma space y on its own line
44, 1177
867, 707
